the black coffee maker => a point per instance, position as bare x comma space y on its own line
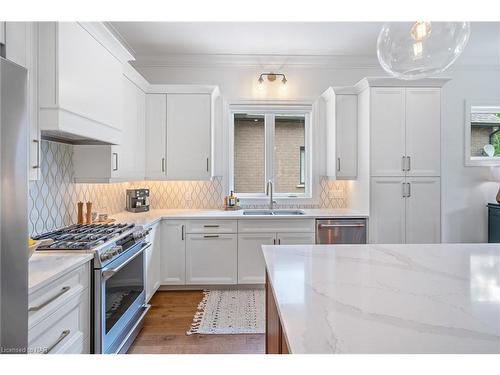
137, 200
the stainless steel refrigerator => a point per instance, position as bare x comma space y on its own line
13, 208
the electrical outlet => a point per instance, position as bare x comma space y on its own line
187, 196
332, 194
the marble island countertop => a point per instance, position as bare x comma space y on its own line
442, 298
153, 216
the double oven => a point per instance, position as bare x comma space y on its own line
119, 299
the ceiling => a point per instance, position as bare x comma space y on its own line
162, 40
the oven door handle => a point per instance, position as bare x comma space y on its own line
107, 273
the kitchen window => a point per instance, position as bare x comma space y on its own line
270, 145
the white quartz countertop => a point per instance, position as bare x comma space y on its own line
153, 216
47, 267
441, 298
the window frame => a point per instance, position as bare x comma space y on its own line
270, 111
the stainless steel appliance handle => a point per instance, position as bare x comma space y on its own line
37, 154
61, 337
63, 290
106, 274
321, 226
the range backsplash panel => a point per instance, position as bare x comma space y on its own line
53, 199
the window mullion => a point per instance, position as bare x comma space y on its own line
269, 129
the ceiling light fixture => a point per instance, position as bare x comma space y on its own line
413, 50
271, 77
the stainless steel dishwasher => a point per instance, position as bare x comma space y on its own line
340, 231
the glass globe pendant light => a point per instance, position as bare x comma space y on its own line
413, 50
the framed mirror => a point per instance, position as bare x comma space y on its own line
482, 133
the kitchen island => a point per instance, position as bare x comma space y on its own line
440, 298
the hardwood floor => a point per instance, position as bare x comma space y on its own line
169, 318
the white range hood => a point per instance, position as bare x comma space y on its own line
81, 78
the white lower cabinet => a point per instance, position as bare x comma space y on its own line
173, 253
423, 210
152, 267
295, 238
251, 266
211, 259
405, 210
59, 315
213, 251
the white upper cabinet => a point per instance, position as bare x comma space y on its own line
387, 131
156, 135
341, 133
179, 132
80, 81
122, 162
423, 131
188, 136
22, 48
2, 32
405, 129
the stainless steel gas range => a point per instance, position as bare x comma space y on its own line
118, 278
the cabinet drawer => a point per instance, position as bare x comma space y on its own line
211, 226
60, 332
271, 225
48, 299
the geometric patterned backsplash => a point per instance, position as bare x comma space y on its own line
53, 199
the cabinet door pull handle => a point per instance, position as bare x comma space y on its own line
182, 232
338, 164
403, 190
63, 290
211, 236
163, 164
409, 163
61, 337
274, 241
207, 164
115, 154
409, 190
211, 226
279, 241
403, 163
37, 142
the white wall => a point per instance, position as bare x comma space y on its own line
466, 190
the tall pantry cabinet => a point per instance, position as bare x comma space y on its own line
404, 123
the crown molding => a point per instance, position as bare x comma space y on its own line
108, 40
278, 62
268, 62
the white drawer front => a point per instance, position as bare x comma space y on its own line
276, 225
212, 226
60, 331
50, 298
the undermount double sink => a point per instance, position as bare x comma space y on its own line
273, 212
